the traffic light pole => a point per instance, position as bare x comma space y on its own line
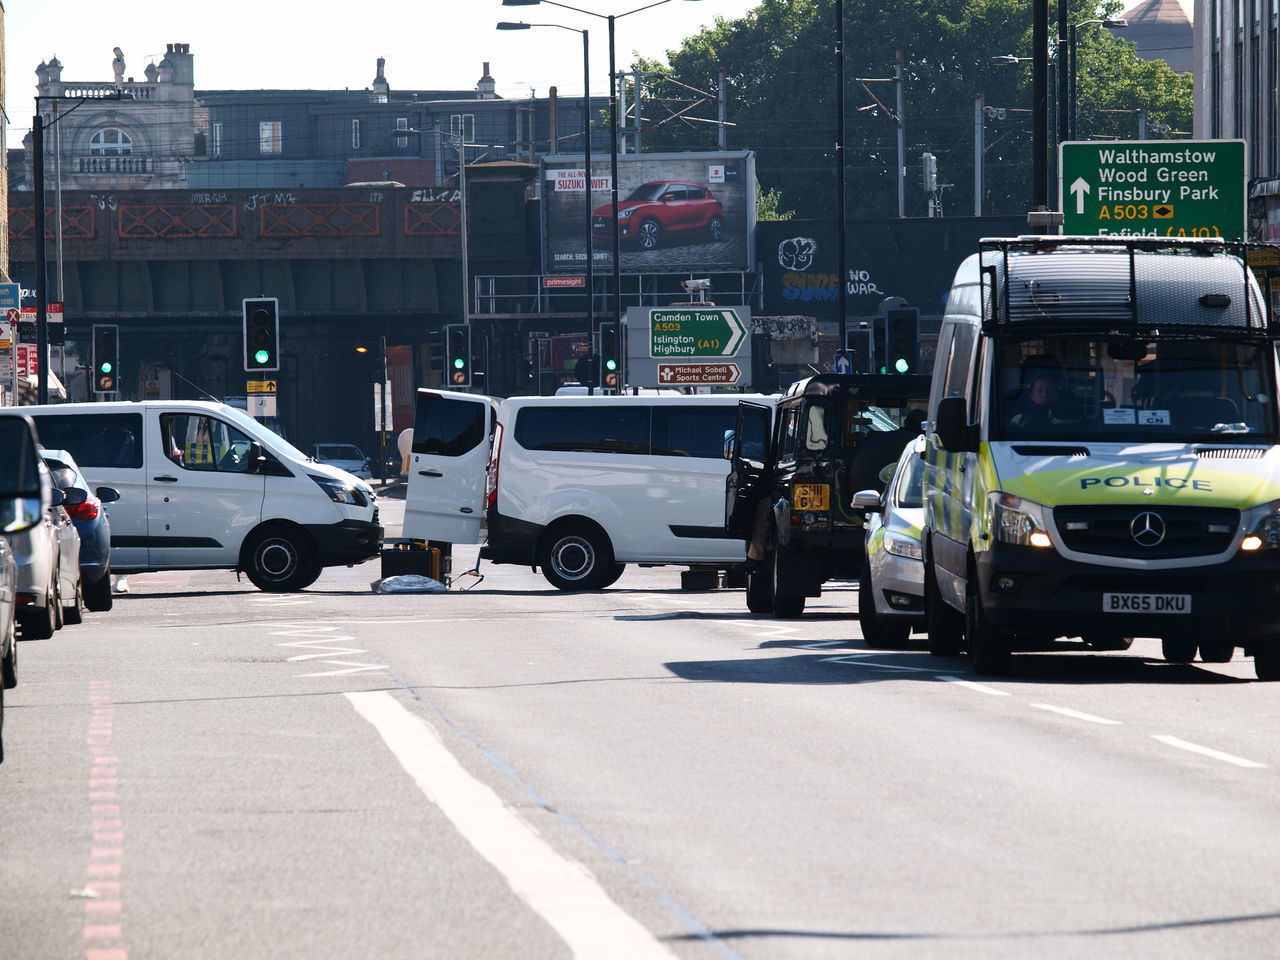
42, 294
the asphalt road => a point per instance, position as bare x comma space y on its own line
503, 770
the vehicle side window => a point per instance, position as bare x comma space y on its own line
789, 433
960, 362
197, 441
96, 440
692, 431
444, 427
605, 428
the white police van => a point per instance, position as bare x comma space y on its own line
1102, 459
577, 486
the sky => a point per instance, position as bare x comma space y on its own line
323, 44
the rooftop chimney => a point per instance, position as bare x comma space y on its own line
486, 88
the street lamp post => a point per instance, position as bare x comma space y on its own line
1072, 107
613, 144
586, 163
38, 127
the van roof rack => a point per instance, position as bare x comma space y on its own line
1185, 286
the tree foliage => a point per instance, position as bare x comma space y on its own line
780, 71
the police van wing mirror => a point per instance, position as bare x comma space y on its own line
953, 430
257, 459
729, 437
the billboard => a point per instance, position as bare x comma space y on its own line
677, 212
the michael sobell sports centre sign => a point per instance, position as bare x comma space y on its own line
1153, 188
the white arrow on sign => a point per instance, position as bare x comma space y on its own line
737, 332
1080, 188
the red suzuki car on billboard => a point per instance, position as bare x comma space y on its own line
662, 207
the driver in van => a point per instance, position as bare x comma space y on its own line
1047, 406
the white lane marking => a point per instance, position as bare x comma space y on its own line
860, 660
560, 890
822, 644
981, 688
1208, 752
1075, 714
354, 668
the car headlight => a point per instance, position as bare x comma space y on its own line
1261, 526
1018, 521
623, 214
903, 547
339, 492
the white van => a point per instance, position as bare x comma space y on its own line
577, 486
203, 485
1103, 459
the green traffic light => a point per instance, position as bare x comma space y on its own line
901, 365
611, 364
105, 366
458, 363
261, 356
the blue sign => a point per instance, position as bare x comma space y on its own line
28, 290
843, 363
10, 296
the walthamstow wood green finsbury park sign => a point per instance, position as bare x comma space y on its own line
1153, 188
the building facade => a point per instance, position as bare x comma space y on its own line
1237, 94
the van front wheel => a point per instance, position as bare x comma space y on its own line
280, 561
576, 557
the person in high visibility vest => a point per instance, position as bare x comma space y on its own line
200, 452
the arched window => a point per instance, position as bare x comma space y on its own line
110, 142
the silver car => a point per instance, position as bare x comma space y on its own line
891, 590
45, 544
344, 456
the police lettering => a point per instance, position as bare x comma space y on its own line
1174, 483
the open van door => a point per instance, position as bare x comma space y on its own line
452, 433
748, 453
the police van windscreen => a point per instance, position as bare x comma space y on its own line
1116, 389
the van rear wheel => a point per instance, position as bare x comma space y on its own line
279, 560
576, 556
1178, 649
1266, 659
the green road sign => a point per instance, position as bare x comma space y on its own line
695, 332
1152, 188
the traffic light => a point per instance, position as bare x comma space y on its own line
903, 340
609, 354
587, 370
106, 357
879, 353
457, 354
929, 169
261, 334
858, 350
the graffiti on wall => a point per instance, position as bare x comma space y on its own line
802, 284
